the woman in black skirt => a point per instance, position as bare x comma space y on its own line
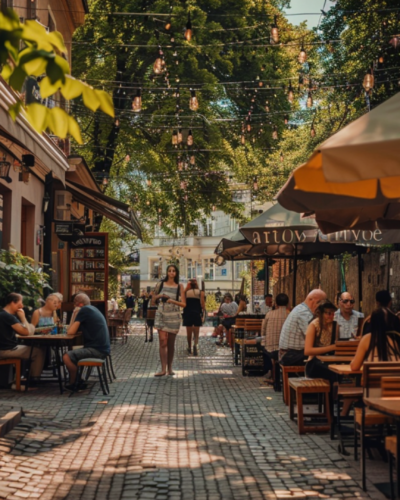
192, 315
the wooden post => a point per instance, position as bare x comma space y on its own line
266, 277
360, 270
294, 275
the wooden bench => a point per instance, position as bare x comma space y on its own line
346, 347
285, 379
17, 363
300, 386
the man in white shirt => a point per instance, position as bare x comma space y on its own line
266, 306
347, 319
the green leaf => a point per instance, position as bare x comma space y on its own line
6, 72
14, 110
17, 78
47, 88
37, 116
54, 72
90, 98
57, 122
74, 129
106, 104
72, 88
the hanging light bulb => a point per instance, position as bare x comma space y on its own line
190, 138
137, 102
180, 164
214, 208
290, 93
248, 127
275, 133
159, 63
105, 181
168, 25
188, 32
147, 202
193, 103
260, 84
267, 106
243, 140
302, 55
179, 136
369, 81
282, 157
381, 58
127, 158
174, 138
312, 131
286, 119
160, 222
274, 37
309, 100
192, 160
255, 184
117, 123
148, 182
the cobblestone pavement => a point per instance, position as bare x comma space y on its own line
207, 433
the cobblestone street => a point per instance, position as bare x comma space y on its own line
207, 433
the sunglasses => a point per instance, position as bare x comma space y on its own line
346, 301
329, 313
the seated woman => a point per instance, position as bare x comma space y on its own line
229, 309
320, 339
46, 315
383, 343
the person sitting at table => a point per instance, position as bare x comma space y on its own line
382, 299
96, 339
13, 321
46, 315
383, 343
320, 339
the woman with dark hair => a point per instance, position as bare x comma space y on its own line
383, 343
171, 298
192, 314
320, 339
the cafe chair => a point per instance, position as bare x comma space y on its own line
91, 363
17, 363
110, 368
368, 424
391, 389
346, 347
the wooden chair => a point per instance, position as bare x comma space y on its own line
91, 363
390, 387
300, 386
373, 372
346, 347
285, 379
17, 363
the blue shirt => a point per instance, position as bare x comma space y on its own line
294, 329
94, 329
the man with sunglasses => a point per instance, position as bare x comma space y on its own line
348, 320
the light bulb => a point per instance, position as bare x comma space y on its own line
309, 100
192, 160
174, 138
312, 131
282, 158
274, 38
148, 182
180, 164
105, 181
302, 55
290, 94
369, 81
275, 133
190, 138
188, 32
193, 103
286, 119
179, 136
243, 139
168, 25
137, 102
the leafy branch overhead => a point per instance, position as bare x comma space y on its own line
43, 55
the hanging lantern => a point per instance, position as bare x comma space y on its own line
5, 170
260, 84
188, 32
309, 100
137, 102
174, 138
369, 81
179, 136
275, 133
274, 37
290, 93
190, 138
302, 55
312, 131
147, 202
193, 103
381, 58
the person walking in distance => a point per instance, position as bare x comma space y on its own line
171, 298
192, 314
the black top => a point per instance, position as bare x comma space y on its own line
94, 328
130, 302
8, 340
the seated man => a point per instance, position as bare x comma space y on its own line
96, 340
13, 321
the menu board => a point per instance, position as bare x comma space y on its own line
89, 266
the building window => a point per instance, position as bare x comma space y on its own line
209, 271
7, 4
191, 269
155, 269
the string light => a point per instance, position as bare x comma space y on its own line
190, 138
255, 184
243, 140
193, 103
282, 158
180, 164
137, 102
192, 160
188, 32
174, 138
159, 63
302, 55
309, 100
274, 37
312, 131
168, 25
290, 93
105, 181
179, 136
275, 133
286, 119
369, 80
148, 182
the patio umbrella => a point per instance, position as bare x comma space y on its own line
233, 246
338, 212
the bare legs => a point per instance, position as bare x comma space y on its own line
189, 332
167, 351
196, 331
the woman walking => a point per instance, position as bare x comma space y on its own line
171, 298
192, 315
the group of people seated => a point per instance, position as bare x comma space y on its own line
86, 319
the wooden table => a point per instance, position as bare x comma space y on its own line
55, 341
342, 371
335, 359
391, 408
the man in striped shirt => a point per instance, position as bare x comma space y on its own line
291, 341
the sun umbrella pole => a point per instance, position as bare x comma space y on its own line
360, 270
266, 278
294, 275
